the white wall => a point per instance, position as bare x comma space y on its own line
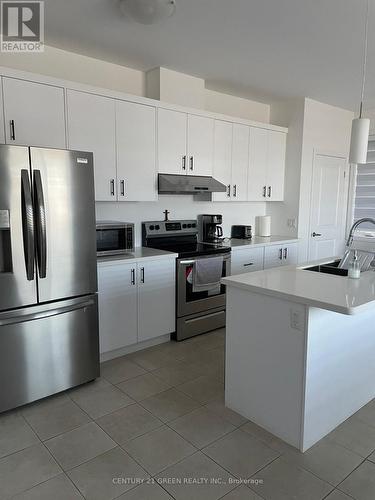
370, 113
180, 207
236, 106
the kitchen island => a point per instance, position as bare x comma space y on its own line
300, 350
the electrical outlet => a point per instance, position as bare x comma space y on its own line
296, 320
292, 222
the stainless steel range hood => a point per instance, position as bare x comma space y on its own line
189, 184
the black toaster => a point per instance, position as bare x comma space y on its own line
241, 232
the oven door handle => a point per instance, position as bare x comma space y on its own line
189, 262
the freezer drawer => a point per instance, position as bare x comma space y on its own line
47, 349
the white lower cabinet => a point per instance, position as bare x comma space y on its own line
280, 255
136, 301
247, 260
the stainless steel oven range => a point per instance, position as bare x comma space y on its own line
197, 310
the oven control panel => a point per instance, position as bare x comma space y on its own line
160, 228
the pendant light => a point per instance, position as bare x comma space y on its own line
361, 126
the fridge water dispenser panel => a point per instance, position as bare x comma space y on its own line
5, 244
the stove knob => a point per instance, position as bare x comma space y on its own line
157, 227
183, 226
152, 228
193, 225
189, 225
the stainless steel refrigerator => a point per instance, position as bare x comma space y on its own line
48, 282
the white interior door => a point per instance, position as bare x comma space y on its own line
172, 130
223, 158
328, 207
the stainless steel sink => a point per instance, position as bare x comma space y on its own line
329, 268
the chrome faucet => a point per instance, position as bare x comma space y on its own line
354, 227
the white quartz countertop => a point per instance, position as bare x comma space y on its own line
138, 254
257, 241
325, 291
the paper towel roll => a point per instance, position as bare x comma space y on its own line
264, 225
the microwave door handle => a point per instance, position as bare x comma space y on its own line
41, 229
27, 224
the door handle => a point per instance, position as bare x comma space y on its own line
41, 229
228, 190
280, 253
184, 162
314, 234
269, 191
191, 162
122, 187
249, 264
264, 191
112, 187
142, 274
27, 224
12, 130
235, 190
132, 276
285, 253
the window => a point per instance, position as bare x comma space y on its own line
364, 198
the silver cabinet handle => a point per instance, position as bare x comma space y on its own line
228, 190
133, 276
264, 191
249, 264
235, 190
112, 187
184, 162
280, 253
122, 187
269, 191
314, 234
285, 253
191, 162
142, 274
12, 130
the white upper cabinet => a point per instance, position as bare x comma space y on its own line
222, 170
172, 141
200, 138
34, 113
91, 127
2, 129
266, 165
240, 162
136, 152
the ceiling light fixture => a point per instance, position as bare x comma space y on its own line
148, 11
361, 126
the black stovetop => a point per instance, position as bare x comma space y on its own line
193, 249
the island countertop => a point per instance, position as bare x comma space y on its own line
325, 291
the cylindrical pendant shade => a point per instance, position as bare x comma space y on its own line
359, 140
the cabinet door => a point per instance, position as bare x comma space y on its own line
257, 174
117, 293
276, 165
156, 298
273, 256
247, 260
92, 127
223, 158
172, 129
136, 152
34, 114
240, 162
2, 129
290, 254
200, 148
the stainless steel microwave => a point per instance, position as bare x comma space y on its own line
114, 238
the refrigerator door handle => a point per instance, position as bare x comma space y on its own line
27, 224
40, 211
13, 317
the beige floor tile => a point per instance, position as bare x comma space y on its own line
203, 389
240, 453
15, 434
201, 427
338, 495
218, 407
197, 477
128, 423
25, 469
107, 476
54, 416
285, 481
178, 372
147, 491
269, 439
120, 369
98, 399
58, 488
242, 493
327, 460
169, 405
355, 435
144, 386
159, 449
204, 356
361, 483
153, 358
79, 445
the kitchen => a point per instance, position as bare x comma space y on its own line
202, 203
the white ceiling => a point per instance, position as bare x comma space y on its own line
262, 49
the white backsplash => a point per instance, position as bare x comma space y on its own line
180, 207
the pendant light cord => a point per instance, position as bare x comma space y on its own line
364, 58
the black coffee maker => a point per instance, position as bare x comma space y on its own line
209, 228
